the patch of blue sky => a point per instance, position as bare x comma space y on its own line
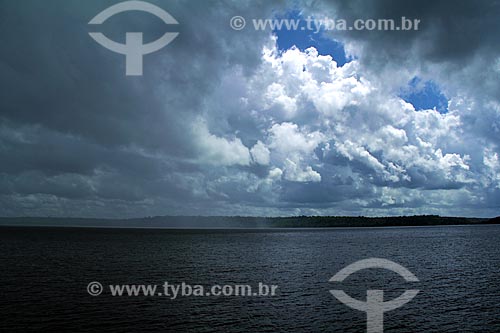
305, 37
424, 95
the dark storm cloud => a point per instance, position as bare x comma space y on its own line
68, 109
54, 75
448, 31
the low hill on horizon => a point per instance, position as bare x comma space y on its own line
245, 221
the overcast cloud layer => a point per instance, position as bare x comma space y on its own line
223, 122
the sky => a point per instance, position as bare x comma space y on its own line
250, 122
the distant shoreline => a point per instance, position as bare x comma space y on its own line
239, 222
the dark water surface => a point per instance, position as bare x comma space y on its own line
45, 272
